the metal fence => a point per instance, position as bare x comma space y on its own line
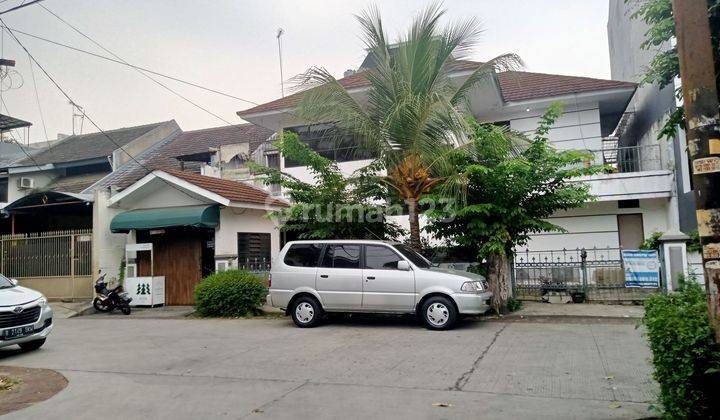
47, 254
580, 270
255, 265
630, 159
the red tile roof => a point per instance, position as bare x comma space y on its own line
514, 85
357, 80
522, 85
232, 190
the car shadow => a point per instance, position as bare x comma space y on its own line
10, 351
389, 320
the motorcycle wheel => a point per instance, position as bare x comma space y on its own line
125, 310
99, 306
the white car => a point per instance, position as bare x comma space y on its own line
311, 278
25, 316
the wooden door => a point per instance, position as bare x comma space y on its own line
177, 256
630, 230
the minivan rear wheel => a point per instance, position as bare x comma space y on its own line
306, 312
438, 313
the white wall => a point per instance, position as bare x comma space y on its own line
302, 173
108, 247
41, 179
577, 128
234, 220
630, 185
596, 225
162, 195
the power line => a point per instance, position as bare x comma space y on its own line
37, 99
67, 96
23, 4
125, 63
136, 69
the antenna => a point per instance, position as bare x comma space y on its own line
77, 113
280, 33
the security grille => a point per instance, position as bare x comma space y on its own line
47, 254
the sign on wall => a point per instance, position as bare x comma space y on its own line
642, 268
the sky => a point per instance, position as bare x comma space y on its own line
230, 46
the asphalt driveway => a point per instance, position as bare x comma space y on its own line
365, 368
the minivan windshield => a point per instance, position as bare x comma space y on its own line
5, 282
413, 256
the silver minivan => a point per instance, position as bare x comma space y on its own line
311, 278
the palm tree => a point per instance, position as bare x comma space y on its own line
414, 114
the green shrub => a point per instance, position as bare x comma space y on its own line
514, 304
230, 293
685, 356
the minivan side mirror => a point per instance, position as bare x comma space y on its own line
403, 265
14, 282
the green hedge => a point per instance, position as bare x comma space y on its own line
230, 293
686, 358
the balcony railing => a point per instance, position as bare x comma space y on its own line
629, 159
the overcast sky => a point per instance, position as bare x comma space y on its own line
230, 45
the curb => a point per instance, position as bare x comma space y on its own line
566, 318
88, 310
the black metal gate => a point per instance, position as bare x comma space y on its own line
596, 274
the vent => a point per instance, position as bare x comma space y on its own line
26, 183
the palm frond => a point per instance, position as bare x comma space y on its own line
501, 63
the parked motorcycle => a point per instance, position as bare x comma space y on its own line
107, 300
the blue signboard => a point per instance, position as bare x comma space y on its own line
642, 268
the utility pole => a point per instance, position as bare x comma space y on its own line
280, 33
700, 99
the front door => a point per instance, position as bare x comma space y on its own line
339, 277
385, 287
178, 257
630, 230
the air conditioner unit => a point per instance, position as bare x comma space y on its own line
26, 183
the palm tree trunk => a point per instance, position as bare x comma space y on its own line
412, 204
499, 281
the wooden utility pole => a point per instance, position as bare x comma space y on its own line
700, 99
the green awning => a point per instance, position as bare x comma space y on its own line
195, 216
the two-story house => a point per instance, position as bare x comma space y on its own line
632, 201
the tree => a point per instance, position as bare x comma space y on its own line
514, 185
334, 206
665, 66
412, 116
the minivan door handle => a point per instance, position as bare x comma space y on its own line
324, 276
371, 277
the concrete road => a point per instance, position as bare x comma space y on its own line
359, 368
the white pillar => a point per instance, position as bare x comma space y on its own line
674, 258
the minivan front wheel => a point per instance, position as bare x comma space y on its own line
306, 312
439, 313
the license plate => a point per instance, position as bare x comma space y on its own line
18, 332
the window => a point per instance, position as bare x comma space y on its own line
131, 270
341, 256
629, 204
328, 142
3, 190
303, 255
381, 258
254, 251
413, 256
273, 160
221, 266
